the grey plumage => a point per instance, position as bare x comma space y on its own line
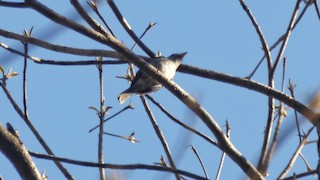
143, 83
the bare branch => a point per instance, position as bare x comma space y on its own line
117, 166
129, 30
305, 162
58, 48
291, 89
295, 155
208, 139
24, 85
274, 45
159, 134
281, 115
83, 13
130, 106
263, 41
130, 138
18, 155
315, 2
151, 24
223, 153
95, 8
286, 39
102, 113
13, 4
301, 175
252, 85
199, 159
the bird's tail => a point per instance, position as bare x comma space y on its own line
123, 97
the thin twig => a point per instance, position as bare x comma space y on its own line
281, 116
287, 36
81, 62
223, 153
151, 24
301, 175
295, 155
160, 135
129, 30
116, 166
315, 2
305, 162
201, 163
263, 40
262, 166
275, 44
95, 8
130, 106
131, 72
25, 64
101, 117
174, 119
83, 13
13, 4
291, 89
130, 138
34, 131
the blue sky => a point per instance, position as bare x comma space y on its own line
218, 35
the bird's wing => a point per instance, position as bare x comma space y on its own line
136, 78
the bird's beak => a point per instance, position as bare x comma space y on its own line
182, 55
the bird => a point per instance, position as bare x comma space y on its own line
144, 84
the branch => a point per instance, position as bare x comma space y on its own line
58, 48
291, 89
13, 4
63, 63
127, 27
201, 163
18, 155
282, 37
295, 155
101, 117
25, 65
117, 166
95, 8
270, 99
255, 86
130, 106
228, 128
286, 39
263, 41
83, 13
159, 134
208, 139
281, 113
301, 175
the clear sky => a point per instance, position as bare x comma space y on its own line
217, 35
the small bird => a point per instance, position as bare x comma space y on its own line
143, 83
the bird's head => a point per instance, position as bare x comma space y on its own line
177, 57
